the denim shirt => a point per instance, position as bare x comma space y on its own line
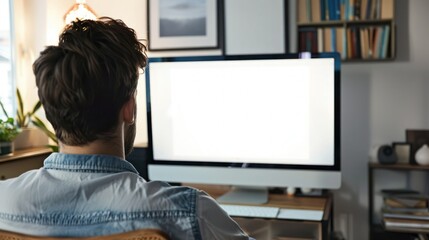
92, 195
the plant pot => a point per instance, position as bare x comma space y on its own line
6, 148
29, 138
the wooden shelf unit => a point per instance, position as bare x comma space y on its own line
369, 37
376, 229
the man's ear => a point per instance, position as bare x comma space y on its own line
128, 110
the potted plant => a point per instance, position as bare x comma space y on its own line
8, 132
31, 136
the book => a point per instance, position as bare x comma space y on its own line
327, 40
410, 216
404, 210
373, 13
363, 7
315, 11
406, 201
344, 42
308, 10
357, 9
377, 9
302, 44
370, 41
333, 40
339, 41
385, 41
353, 43
404, 223
320, 39
376, 47
346, 9
363, 42
349, 43
368, 9
313, 40
322, 10
338, 10
343, 9
307, 39
386, 9
356, 42
351, 10
302, 11
398, 191
330, 9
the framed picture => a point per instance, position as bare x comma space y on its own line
256, 27
416, 138
402, 151
183, 24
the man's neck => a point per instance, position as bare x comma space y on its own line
96, 147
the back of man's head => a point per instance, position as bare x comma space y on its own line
85, 80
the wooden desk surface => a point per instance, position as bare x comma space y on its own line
278, 200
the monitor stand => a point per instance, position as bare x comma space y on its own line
245, 195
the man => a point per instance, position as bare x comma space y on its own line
87, 85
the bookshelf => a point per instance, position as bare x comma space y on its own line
401, 225
360, 30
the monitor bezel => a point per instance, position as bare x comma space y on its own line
336, 167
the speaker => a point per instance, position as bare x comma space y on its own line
386, 155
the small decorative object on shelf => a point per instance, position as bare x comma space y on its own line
386, 155
422, 155
403, 151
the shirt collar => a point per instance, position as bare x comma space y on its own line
88, 163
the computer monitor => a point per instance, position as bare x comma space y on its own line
251, 121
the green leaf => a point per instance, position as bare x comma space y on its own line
8, 131
10, 120
19, 119
4, 110
35, 108
20, 102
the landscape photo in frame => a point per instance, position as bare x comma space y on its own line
183, 24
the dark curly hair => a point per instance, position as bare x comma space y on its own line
85, 80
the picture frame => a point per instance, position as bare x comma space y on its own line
266, 18
402, 151
416, 138
183, 24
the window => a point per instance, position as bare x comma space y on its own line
7, 84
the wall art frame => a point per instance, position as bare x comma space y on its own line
183, 24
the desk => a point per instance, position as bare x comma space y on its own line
284, 229
20, 161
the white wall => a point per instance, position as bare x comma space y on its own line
379, 100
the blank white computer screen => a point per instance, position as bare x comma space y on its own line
249, 111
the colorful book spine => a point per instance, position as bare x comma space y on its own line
323, 10
385, 41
